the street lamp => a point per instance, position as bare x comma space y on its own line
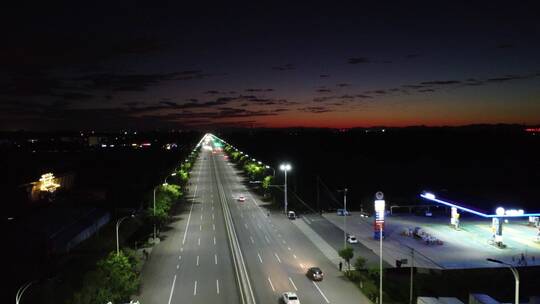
514, 272
155, 188
172, 174
117, 227
285, 168
273, 171
21, 290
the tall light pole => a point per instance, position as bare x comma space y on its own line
514, 272
155, 188
21, 290
344, 217
117, 227
285, 168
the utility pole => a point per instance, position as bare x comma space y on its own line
318, 192
412, 281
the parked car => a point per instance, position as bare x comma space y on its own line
290, 297
315, 273
351, 239
291, 215
342, 212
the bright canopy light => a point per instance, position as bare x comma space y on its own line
429, 195
499, 211
285, 167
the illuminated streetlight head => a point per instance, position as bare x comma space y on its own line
267, 167
499, 211
173, 174
165, 184
285, 167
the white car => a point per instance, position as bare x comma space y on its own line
290, 298
241, 198
351, 239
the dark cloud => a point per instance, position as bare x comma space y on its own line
316, 109
411, 86
342, 98
426, 90
75, 96
504, 46
441, 82
324, 75
357, 60
341, 85
324, 90
508, 78
259, 90
133, 82
286, 67
412, 56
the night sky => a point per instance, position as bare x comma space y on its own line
82, 65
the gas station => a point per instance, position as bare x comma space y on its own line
498, 219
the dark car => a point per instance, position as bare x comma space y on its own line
315, 273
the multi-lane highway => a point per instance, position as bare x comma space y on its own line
221, 250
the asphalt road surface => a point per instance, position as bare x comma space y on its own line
259, 256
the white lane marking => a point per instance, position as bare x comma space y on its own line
217, 286
267, 240
320, 291
181, 249
259, 225
199, 241
214, 240
215, 259
179, 257
289, 248
252, 241
284, 242
197, 260
260, 259
200, 227
213, 216
290, 280
307, 220
241, 215
195, 289
277, 257
201, 217
172, 289
214, 227
294, 255
177, 266
187, 224
271, 285
212, 208
245, 225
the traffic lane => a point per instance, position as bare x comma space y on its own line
273, 255
221, 272
307, 255
159, 272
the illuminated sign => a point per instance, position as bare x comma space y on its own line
47, 183
378, 225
